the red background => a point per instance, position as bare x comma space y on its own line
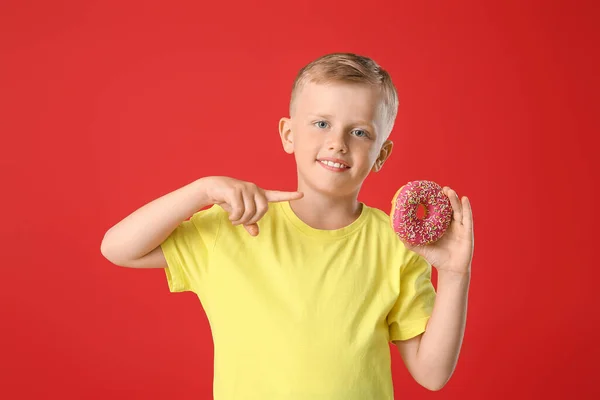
106, 106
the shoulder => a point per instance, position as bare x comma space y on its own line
379, 227
378, 221
208, 216
378, 216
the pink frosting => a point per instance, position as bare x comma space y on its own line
438, 215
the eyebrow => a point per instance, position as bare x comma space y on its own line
326, 116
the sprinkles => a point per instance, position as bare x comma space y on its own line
438, 213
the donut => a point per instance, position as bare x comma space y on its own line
403, 216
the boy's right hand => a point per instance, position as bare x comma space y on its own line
245, 202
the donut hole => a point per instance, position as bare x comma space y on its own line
421, 211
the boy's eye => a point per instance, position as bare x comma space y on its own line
360, 133
321, 124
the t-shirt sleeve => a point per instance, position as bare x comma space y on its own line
411, 312
188, 249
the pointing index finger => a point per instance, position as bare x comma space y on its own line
277, 195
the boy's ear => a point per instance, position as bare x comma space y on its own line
287, 137
384, 154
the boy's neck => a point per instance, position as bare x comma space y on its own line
321, 211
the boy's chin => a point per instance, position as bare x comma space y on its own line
335, 188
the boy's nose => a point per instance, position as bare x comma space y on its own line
335, 142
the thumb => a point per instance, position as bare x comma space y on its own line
252, 229
277, 195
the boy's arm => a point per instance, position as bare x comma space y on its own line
432, 356
135, 241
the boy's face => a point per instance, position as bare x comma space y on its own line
338, 134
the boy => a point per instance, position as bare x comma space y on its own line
304, 290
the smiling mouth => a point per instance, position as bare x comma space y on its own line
332, 165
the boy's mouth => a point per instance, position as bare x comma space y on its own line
333, 164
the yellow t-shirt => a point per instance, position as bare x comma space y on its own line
300, 313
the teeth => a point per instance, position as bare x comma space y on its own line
332, 164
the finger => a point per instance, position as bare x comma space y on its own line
276, 195
455, 202
249, 209
236, 202
467, 214
262, 205
252, 229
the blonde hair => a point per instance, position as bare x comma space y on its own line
349, 68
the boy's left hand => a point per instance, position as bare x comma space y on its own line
454, 250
